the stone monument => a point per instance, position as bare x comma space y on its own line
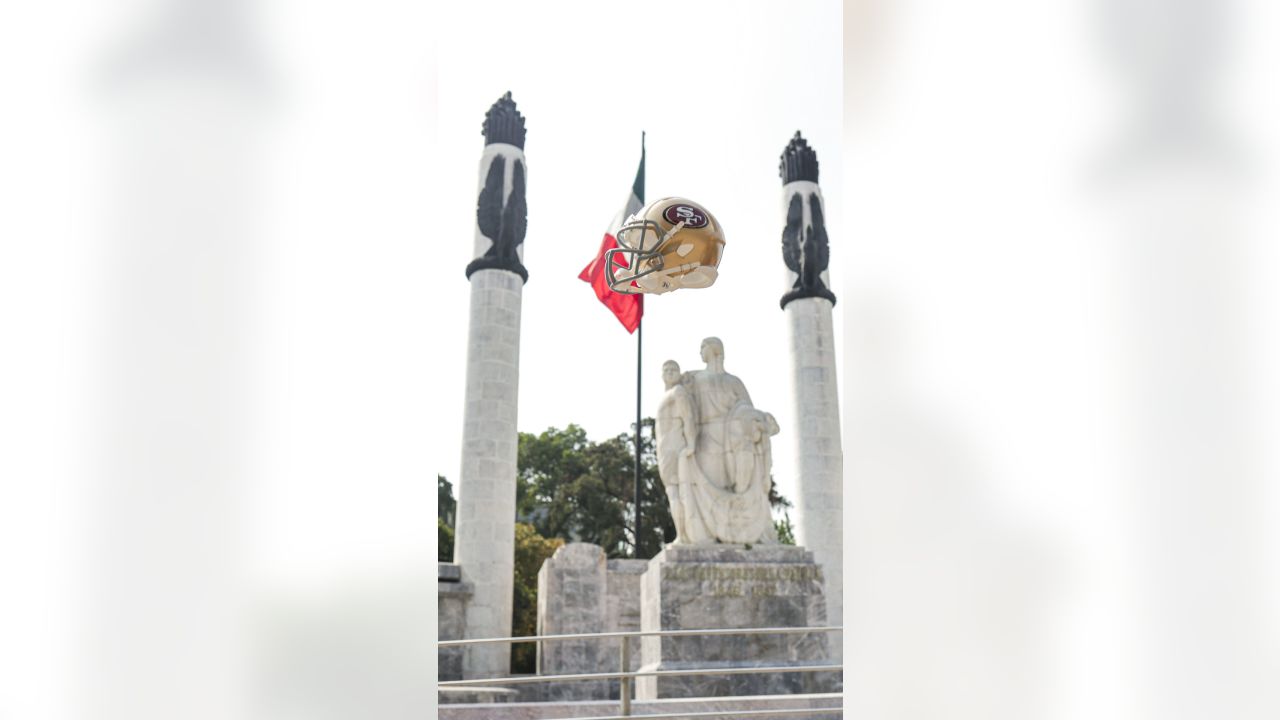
485, 541
580, 591
714, 454
572, 599
807, 303
725, 568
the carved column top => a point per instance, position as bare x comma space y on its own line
804, 237
799, 161
503, 123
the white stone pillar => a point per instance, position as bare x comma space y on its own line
484, 544
819, 469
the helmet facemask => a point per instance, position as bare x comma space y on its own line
628, 265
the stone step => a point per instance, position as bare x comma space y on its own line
640, 708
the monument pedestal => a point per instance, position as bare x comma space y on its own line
700, 587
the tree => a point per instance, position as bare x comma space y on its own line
583, 491
786, 531
656, 526
446, 506
776, 500
532, 549
445, 535
570, 487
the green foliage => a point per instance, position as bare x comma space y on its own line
532, 549
570, 487
445, 512
446, 506
786, 531
776, 500
445, 534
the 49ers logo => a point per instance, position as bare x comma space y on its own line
692, 216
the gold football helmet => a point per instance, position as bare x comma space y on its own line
669, 244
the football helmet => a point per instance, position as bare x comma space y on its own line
668, 244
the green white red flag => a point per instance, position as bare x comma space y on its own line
627, 308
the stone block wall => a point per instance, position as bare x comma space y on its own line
685, 588
579, 590
622, 612
572, 598
622, 604
453, 594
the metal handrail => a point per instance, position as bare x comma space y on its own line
646, 633
626, 678
722, 713
521, 680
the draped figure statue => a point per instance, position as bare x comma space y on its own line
676, 432
714, 454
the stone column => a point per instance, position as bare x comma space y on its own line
485, 540
807, 303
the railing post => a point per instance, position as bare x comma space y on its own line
624, 683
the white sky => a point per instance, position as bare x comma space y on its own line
1059, 354
1061, 341
719, 88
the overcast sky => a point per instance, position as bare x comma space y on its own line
235, 340
719, 88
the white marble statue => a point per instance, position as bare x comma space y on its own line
714, 454
677, 435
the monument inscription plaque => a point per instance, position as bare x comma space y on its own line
731, 586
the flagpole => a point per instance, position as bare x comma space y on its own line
625, 307
639, 338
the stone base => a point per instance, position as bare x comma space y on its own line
733, 586
580, 591
736, 684
453, 596
572, 599
473, 695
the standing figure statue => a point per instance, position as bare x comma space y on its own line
716, 393
676, 429
714, 454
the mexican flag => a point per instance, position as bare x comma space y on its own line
627, 308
